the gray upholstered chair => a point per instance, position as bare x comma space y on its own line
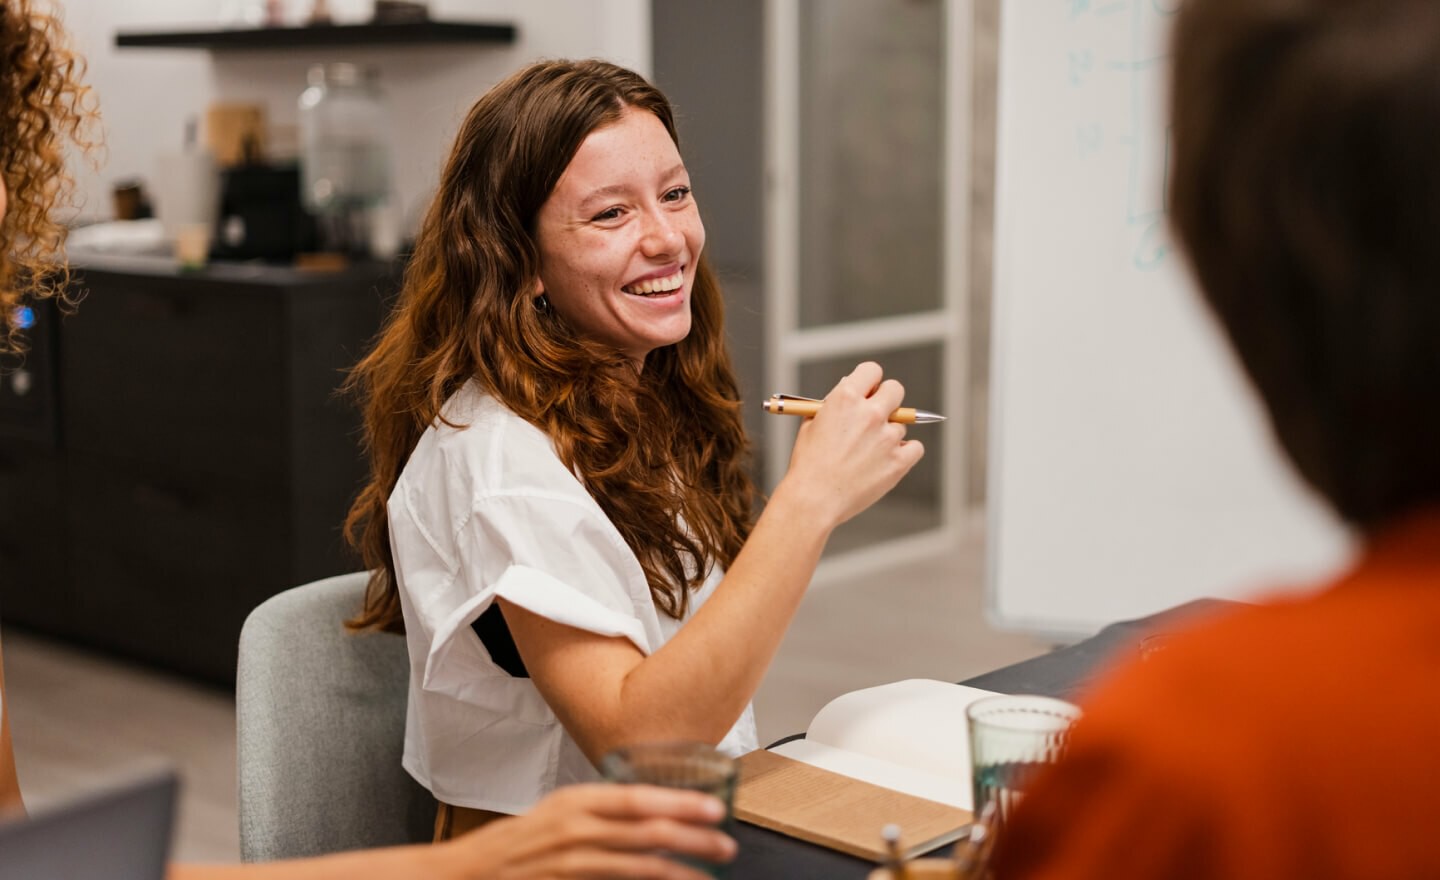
321, 718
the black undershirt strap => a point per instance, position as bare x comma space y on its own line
494, 634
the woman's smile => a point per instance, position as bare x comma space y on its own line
656, 284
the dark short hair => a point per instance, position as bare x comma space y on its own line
1305, 190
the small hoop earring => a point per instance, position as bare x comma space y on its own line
542, 303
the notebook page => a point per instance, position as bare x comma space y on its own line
916, 727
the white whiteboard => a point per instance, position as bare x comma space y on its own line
1131, 468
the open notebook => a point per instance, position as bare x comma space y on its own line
894, 753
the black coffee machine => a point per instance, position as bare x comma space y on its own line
261, 217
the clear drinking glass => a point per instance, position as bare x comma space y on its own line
1010, 738
689, 765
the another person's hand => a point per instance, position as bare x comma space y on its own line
598, 831
851, 454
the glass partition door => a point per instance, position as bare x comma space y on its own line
867, 196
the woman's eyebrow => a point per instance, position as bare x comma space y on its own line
603, 193
616, 189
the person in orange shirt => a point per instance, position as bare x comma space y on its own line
587, 831
1294, 738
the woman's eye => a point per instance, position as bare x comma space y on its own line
677, 194
607, 214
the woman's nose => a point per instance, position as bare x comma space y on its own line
662, 236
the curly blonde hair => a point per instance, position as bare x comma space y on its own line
43, 104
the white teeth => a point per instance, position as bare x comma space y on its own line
657, 285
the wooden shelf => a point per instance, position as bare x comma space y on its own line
388, 34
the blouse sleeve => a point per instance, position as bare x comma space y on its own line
554, 557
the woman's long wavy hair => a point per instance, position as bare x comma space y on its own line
663, 452
43, 105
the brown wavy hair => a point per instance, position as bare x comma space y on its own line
654, 449
43, 104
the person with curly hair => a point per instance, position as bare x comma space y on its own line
43, 107
582, 832
46, 108
559, 515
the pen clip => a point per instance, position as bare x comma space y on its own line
793, 397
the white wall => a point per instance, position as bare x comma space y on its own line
146, 95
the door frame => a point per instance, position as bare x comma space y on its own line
788, 345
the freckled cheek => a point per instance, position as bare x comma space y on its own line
695, 237
591, 268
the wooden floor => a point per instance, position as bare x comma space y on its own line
78, 718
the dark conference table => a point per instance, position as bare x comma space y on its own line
1064, 673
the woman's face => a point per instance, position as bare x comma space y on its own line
619, 238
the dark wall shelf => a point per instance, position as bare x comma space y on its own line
388, 34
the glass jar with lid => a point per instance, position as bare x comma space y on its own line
344, 170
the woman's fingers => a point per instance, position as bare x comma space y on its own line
865, 386
911, 451
667, 835
643, 835
850, 454
610, 831
644, 801
861, 381
641, 818
888, 394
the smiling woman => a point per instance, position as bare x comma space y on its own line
620, 236
559, 514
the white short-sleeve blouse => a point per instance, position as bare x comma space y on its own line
489, 510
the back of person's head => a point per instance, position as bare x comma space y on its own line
42, 105
1306, 191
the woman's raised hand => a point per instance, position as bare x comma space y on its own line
850, 453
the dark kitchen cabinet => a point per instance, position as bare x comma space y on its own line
199, 462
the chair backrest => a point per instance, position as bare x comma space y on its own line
321, 718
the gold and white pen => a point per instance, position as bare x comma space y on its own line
791, 405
